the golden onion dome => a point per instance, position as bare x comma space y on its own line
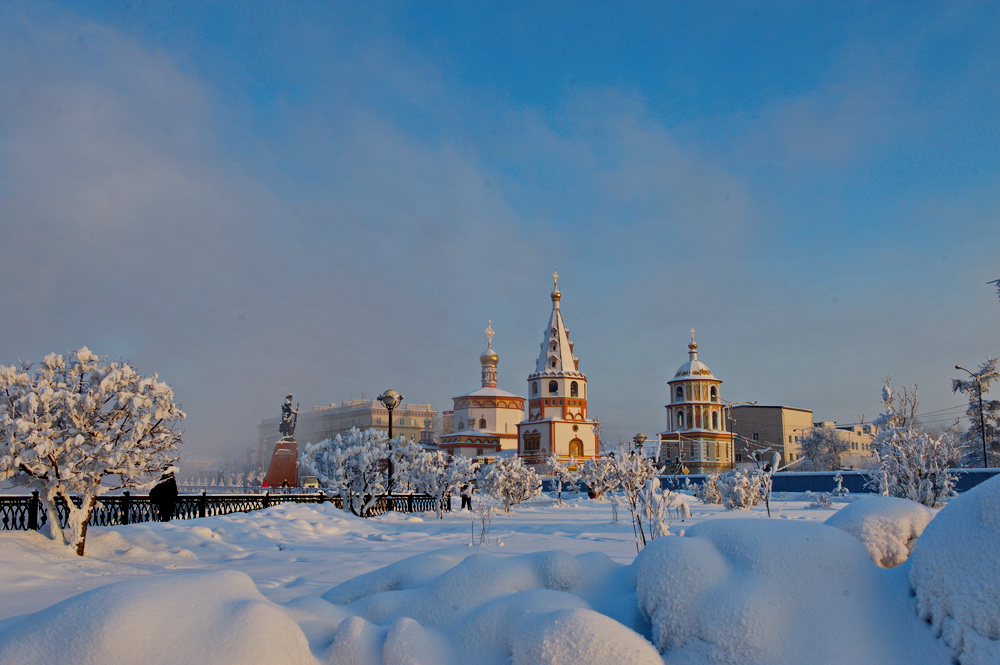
489, 357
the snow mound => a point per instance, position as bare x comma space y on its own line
777, 593
954, 573
580, 637
534, 608
887, 526
205, 617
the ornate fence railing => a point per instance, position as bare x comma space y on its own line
26, 512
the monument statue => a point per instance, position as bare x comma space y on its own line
289, 417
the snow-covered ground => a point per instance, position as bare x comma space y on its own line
557, 584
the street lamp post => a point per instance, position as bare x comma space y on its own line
390, 400
639, 439
982, 420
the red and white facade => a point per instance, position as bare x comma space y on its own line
485, 420
557, 420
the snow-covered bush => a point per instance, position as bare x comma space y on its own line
953, 571
439, 474
564, 475
907, 462
840, 490
888, 527
599, 474
510, 481
820, 499
708, 490
634, 471
742, 489
78, 426
353, 464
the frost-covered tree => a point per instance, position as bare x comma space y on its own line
599, 474
983, 415
564, 475
353, 464
907, 462
821, 449
510, 481
634, 471
79, 426
439, 474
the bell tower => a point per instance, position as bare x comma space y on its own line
557, 421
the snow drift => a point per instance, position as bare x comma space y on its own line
203, 617
887, 526
955, 572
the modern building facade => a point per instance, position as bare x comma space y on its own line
697, 437
484, 422
325, 422
557, 421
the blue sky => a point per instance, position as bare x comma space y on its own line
331, 198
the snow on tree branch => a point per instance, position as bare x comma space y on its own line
78, 426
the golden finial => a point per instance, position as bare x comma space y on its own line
489, 334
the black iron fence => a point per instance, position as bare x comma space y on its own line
26, 512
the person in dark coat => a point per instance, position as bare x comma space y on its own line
466, 490
164, 496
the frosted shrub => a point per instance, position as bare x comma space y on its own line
78, 426
708, 491
741, 490
907, 462
634, 472
439, 474
353, 464
599, 474
820, 499
510, 481
564, 475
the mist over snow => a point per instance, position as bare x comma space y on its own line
333, 199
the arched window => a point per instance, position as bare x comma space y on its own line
576, 448
552, 362
553, 388
679, 394
715, 419
482, 423
574, 389
680, 419
715, 394
534, 388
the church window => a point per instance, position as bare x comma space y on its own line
679, 394
534, 388
552, 362
715, 394
553, 346
576, 448
532, 441
482, 423
574, 389
715, 420
553, 388
680, 420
